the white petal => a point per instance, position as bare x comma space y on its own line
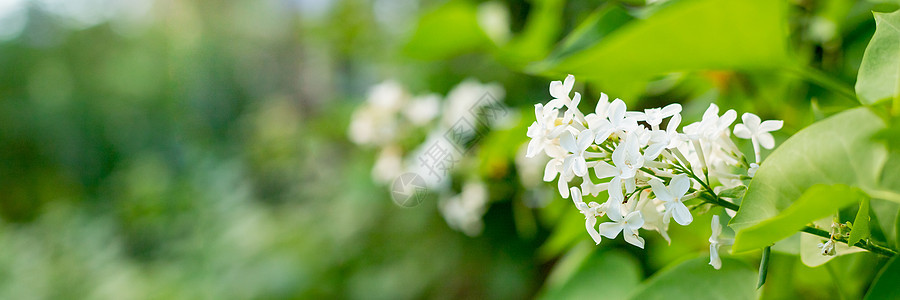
766, 140
569, 83
680, 185
716, 229
591, 225
660, 190
567, 141
671, 110
557, 90
714, 259
741, 131
610, 229
681, 213
727, 118
579, 166
634, 239
534, 147
604, 170
771, 125
634, 220
751, 121
563, 187
576, 195
551, 170
617, 110
585, 138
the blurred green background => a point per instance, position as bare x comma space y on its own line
197, 149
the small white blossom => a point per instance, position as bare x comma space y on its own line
591, 211
757, 132
560, 91
629, 224
576, 147
672, 196
827, 248
654, 116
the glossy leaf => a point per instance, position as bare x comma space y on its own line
879, 72
817, 202
740, 34
696, 279
885, 285
837, 150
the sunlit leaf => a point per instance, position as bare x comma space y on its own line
879, 72
817, 202
696, 279
687, 35
837, 150
449, 30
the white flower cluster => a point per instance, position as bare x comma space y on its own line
649, 171
391, 117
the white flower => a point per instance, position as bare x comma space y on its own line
560, 91
628, 224
661, 140
590, 211
714, 243
712, 126
576, 147
752, 128
619, 121
654, 116
554, 167
628, 160
654, 219
389, 164
827, 248
753, 168
387, 96
672, 196
543, 131
463, 212
422, 110
757, 132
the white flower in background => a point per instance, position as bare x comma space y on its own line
493, 16
463, 212
757, 132
628, 224
576, 147
372, 126
591, 211
466, 97
388, 165
423, 109
672, 196
388, 96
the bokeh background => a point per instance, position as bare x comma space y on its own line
197, 149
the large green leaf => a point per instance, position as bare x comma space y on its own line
448, 30
885, 286
879, 72
585, 273
688, 35
837, 150
696, 279
817, 202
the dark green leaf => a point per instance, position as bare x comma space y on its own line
696, 279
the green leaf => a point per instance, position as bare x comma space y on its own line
586, 273
696, 279
860, 224
601, 23
737, 34
537, 38
885, 285
733, 193
836, 150
817, 202
879, 72
449, 30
